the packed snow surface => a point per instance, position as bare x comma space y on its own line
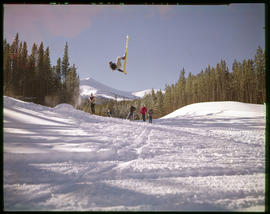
64, 159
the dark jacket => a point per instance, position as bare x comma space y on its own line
150, 112
132, 109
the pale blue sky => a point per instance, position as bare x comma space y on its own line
163, 39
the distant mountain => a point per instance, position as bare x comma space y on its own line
141, 94
103, 92
89, 85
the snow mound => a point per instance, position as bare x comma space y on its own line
64, 107
223, 109
12, 101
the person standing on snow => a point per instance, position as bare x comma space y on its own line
143, 112
109, 113
150, 114
92, 102
131, 113
118, 64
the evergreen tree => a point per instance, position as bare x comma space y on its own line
175, 96
219, 85
252, 81
40, 75
19, 76
260, 70
7, 69
73, 86
168, 99
31, 76
57, 78
14, 66
160, 107
65, 63
189, 88
24, 69
236, 77
48, 77
225, 83
181, 93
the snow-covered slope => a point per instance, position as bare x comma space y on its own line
141, 94
63, 159
89, 85
221, 109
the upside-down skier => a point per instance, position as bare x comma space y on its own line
118, 64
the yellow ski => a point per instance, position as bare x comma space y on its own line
125, 64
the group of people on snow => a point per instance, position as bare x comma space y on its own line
143, 111
131, 113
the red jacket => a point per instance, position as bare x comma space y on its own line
143, 110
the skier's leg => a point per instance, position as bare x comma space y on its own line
118, 62
93, 108
143, 117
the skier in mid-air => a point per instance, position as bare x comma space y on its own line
118, 64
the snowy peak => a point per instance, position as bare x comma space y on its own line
141, 94
89, 85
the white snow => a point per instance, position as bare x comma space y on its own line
89, 85
203, 157
141, 94
224, 108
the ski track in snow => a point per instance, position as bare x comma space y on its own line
65, 159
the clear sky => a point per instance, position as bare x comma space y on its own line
163, 39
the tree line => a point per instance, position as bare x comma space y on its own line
244, 83
31, 77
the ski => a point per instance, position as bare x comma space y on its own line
125, 63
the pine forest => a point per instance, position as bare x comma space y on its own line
31, 77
